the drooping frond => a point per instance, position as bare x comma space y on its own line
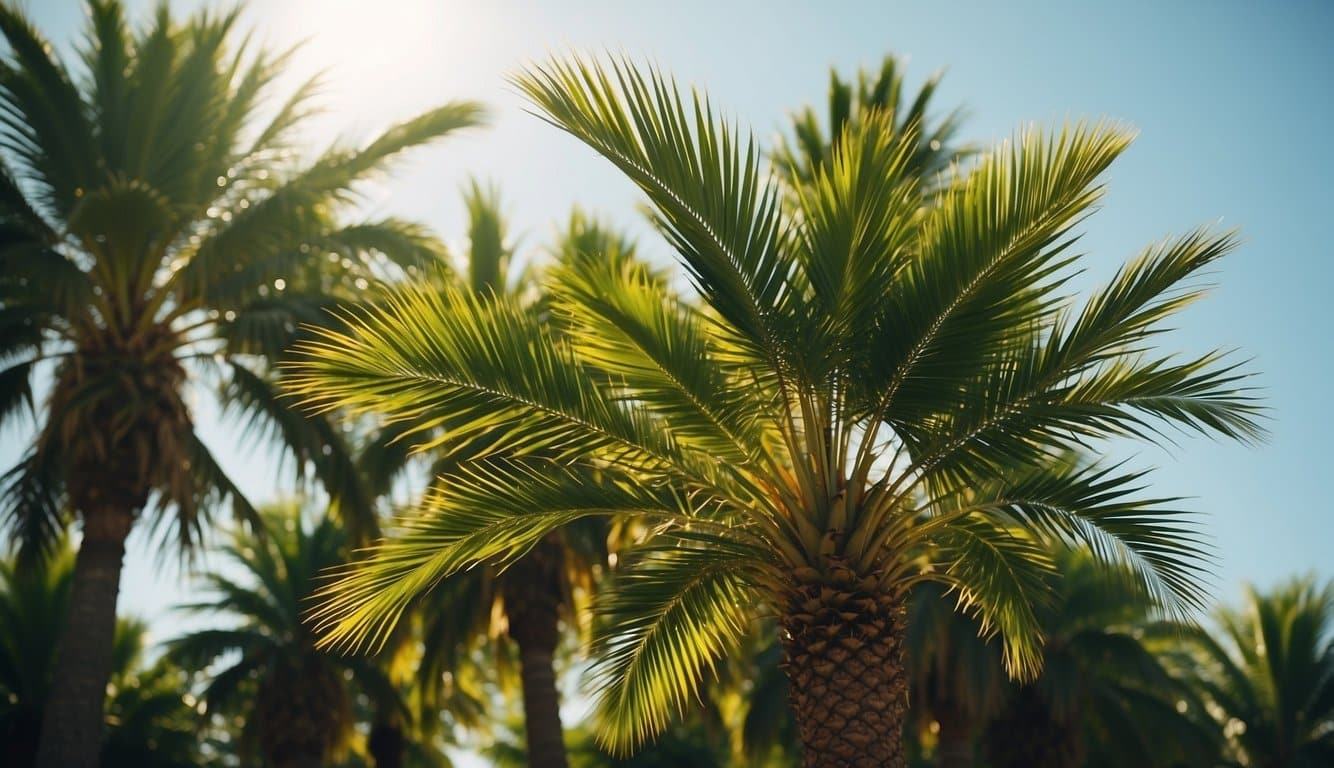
489, 513
16, 391
998, 574
313, 442
34, 511
1101, 508
671, 614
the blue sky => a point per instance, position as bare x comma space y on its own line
1232, 100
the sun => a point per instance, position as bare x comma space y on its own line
379, 57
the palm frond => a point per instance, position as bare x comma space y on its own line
16, 391
458, 367
489, 249
990, 251
291, 214
211, 476
670, 617
703, 178
491, 512
44, 121
312, 441
660, 351
858, 224
1121, 316
199, 649
16, 210
880, 95
1099, 506
33, 498
269, 326
1000, 576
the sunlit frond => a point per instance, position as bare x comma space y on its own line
661, 355
703, 177
489, 513
989, 257
460, 366
672, 613
998, 574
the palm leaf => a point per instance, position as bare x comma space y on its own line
1000, 576
989, 250
44, 122
34, 513
703, 179
661, 354
492, 512
464, 367
671, 615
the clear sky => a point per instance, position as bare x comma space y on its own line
1233, 101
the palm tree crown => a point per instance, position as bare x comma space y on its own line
878, 390
297, 702
1268, 676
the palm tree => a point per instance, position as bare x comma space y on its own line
1103, 698
841, 420
1268, 676
528, 601
298, 704
152, 231
956, 674
148, 721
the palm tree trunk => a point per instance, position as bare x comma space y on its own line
532, 591
386, 744
72, 724
954, 745
843, 651
1028, 735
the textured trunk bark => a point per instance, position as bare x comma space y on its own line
72, 724
541, 709
849, 685
954, 746
532, 591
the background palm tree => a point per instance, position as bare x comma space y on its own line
1268, 675
877, 393
149, 720
297, 699
957, 674
152, 232
1103, 698
530, 600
